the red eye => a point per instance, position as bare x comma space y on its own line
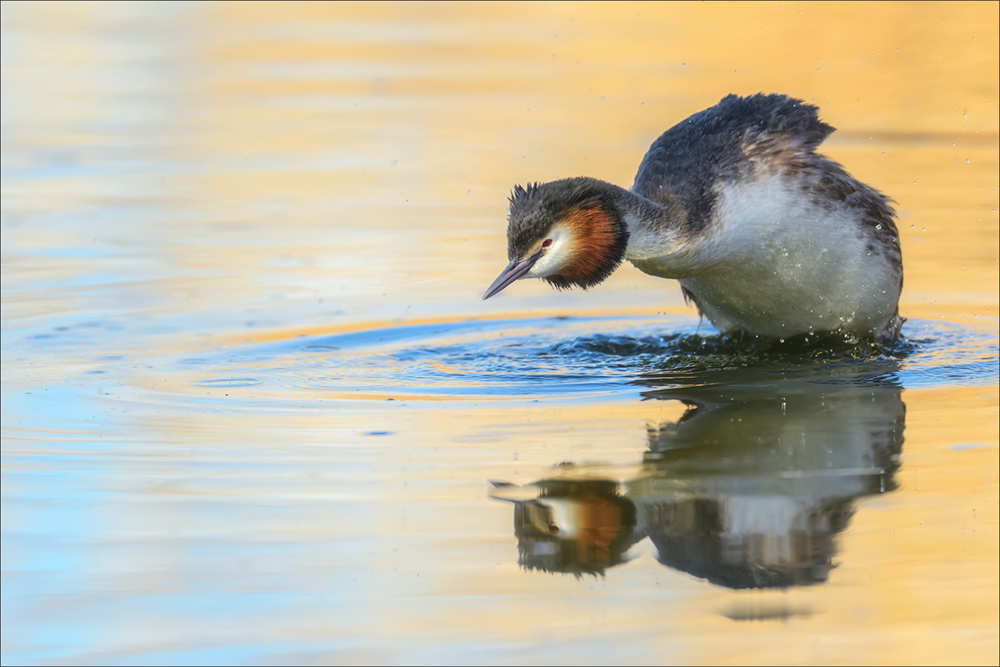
547, 243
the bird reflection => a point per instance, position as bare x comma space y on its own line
748, 489
579, 526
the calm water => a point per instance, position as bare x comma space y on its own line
253, 409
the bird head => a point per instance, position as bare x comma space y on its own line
569, 233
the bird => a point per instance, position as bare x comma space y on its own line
765, 235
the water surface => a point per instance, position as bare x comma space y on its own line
254, 410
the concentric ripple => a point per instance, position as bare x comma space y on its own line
579, 357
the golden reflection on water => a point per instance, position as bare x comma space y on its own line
241, 174
593, 86
326, 124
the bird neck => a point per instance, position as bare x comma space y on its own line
655, 230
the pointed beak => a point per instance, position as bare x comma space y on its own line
514, 270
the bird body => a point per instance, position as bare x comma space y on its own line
775, 265
764, 234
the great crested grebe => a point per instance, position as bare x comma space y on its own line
764, 234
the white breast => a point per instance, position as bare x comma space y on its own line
775, 264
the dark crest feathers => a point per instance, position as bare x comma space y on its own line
535, 208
